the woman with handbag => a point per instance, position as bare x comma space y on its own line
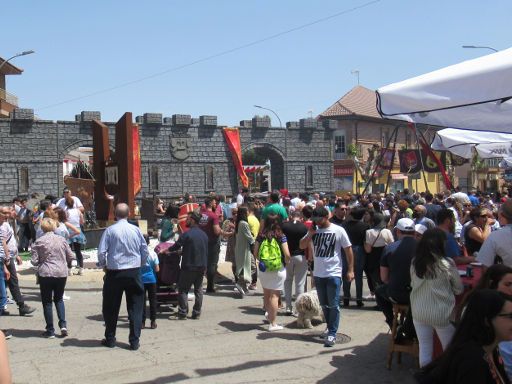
376, 240
51, 254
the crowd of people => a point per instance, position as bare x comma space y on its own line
409, 246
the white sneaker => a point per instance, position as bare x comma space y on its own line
65, 297
240, 289
276, 327
10, 301
370, 297
80, 271
266, 317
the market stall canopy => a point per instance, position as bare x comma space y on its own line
474, 94
487, 144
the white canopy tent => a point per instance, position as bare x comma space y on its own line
475, 95
461, 143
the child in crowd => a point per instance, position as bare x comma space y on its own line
149, 272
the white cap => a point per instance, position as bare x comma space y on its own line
405, 225
420, 228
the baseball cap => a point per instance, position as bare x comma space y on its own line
405, 225
420, 228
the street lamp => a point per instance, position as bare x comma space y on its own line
16, 55
268, 109
285, 143
480, 47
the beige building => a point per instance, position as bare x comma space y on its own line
359, 128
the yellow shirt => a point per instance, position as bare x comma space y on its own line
254, 225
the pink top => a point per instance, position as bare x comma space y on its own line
51, 254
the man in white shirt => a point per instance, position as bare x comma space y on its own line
327, 243
499, 242
62, 202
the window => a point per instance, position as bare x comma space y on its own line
492, 163
153, 179
309, 176
339, 144
23, 185
208, 174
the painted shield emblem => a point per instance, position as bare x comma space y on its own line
180, 147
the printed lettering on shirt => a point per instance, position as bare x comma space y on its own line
204, 219
324, 244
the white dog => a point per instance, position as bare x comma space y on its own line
308, 307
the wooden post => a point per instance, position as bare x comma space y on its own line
101, 154
124, 159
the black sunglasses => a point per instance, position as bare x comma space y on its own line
509, 315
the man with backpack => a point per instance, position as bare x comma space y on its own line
327, 243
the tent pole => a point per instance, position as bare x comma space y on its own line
415, 130
379, 160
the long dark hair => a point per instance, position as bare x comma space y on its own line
272, 227
429, 250
378, 220
475, 326
492, 276
241, 216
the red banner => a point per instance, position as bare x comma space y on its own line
136, 161
232, 136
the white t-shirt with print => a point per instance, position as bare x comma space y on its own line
328, 244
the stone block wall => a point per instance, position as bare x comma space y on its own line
39, 147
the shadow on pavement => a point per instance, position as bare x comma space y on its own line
27, 333
312, 338
94, 343
163, 379
241, 327
367, 362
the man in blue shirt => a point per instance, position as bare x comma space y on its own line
121, 253
446, 222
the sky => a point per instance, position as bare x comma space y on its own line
222, 57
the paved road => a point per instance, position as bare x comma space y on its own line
229, 344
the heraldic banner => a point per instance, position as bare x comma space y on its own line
410, 161
136, 161
232, 136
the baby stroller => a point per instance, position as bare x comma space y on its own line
167, 277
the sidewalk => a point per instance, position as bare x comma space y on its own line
229, 344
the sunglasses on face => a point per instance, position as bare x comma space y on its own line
507, 315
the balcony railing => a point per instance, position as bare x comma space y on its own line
8, 97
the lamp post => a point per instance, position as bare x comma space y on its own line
480, 47
16, 55
285, 143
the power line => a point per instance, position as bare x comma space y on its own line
207, 58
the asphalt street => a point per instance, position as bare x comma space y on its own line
228, 344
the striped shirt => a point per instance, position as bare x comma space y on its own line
433, 300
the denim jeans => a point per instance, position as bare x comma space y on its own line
328, 289
3, 292
359, 261
53, 287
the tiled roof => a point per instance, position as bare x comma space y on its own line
358, 101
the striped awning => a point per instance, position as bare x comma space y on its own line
255, 168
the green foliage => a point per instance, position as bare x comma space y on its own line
81, 171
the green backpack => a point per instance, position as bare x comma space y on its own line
270, 254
